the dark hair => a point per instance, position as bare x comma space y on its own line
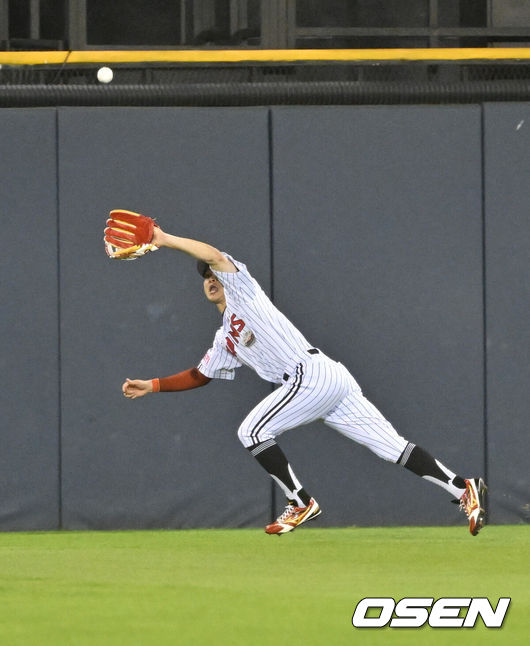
203, 268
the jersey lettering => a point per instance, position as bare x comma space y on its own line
236, 327
230, 346
236, 324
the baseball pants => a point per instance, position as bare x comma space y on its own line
321, 388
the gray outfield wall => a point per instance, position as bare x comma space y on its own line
396, 238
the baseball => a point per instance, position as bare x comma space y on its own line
105, 75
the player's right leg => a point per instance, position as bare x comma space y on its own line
293, 516
308, 394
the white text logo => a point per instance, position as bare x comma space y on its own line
447, 612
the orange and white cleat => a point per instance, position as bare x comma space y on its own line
293, 516
473, 503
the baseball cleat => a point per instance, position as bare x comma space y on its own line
293, 516
473, 503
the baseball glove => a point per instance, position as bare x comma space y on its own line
128, 235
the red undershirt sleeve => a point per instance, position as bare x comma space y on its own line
185, 380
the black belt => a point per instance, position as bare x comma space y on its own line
310, 351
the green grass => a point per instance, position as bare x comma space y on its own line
242, 587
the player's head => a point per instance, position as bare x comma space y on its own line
213, 290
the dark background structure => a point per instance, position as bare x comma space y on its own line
77, 24
395, 237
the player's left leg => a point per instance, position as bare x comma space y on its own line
470, 493
358, 419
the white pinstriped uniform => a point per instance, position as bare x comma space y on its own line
313, 386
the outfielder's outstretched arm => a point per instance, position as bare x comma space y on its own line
186, 380
199, 250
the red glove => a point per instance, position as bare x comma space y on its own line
128, 235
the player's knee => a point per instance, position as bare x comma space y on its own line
391, 451
243, 433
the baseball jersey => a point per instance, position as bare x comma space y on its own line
254, 332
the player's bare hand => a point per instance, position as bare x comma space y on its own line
158, 237
133, 388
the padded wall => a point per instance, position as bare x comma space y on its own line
378, 258
372, 244
507, 169
29, 397
174, 459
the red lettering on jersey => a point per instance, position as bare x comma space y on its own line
236, 326
230, 346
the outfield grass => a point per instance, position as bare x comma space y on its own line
242, 587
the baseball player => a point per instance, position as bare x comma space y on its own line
311, 385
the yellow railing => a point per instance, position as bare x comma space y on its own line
263, 56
